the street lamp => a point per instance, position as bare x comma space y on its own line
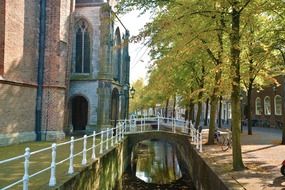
132, 92
241, 112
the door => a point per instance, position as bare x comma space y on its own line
79, 113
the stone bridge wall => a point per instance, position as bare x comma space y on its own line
105, 172
204, 178
101, 174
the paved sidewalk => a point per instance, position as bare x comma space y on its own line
262, 155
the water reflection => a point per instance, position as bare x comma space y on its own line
155, 161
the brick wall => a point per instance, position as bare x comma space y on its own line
17, 109
271, 120
56, 60
18, 86
21, 40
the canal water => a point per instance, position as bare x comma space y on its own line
154, 165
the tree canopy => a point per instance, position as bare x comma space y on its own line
207, 49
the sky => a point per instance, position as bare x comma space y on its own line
138, 52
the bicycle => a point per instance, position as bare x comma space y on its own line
224, 142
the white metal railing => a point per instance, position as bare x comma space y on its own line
106, 137
107, 140
169, 124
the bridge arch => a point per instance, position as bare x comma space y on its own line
181, 142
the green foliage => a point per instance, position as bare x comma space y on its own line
205, 49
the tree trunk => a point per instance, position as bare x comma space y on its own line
189, 114
198, 115
166, 108
235, 95
213, 111
220, 112
283, 134
283, 112
248, 113
174, 105
206, 113
191, 111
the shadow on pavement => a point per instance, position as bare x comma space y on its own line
262, 148
278, 182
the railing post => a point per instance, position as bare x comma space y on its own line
141, 123
52, 180
201, 142
185, 126
112, 137
144, 122
123, 130
174, 126
197, 139
70, 169
93, 157
26, 169
158, 123
117, 132
107, 139
172, 123
84, 160
101, 143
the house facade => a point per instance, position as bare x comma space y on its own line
268, 105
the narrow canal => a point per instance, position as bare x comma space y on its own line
154, 165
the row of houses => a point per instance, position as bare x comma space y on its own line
267, 108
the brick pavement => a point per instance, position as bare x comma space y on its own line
262, 155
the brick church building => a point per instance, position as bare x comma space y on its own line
64, 67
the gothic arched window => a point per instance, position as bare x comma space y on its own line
258, 107
278, 105
82, 48
117, 56
267, 106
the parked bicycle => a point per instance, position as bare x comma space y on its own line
224, 139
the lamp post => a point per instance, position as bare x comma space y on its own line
241, 112
132, 92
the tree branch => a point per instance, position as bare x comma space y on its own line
248, 1
211, 54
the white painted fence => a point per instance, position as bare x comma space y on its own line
108, 140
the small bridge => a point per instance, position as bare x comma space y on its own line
174, 131
167, 129
178, 133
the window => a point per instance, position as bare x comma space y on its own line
229, 111
117, 56
82, 48
258, 107
278, 105
267, 106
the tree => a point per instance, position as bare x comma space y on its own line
186, 36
